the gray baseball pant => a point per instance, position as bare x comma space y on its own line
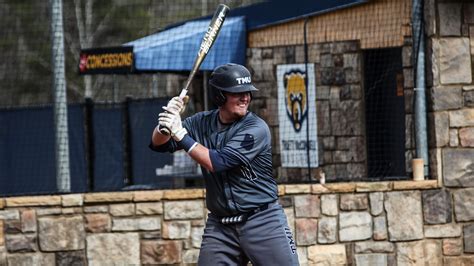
264, 239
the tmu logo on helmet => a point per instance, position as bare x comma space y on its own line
244, 80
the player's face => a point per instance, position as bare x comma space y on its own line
235, 106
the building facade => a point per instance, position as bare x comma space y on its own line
348, 220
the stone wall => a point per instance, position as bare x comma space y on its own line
340, 107
451, 91
340, 98
383, 223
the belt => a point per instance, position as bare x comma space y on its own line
243, 217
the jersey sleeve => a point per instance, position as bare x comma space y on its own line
242, 148
170, 146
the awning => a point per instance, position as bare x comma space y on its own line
175, 49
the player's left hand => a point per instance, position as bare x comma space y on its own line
171, 119
178, 104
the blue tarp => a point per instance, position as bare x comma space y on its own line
27, 156
108, 149
143, 117
175, 49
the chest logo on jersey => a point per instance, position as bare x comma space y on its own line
247, 142
295, 97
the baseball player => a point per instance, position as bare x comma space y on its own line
233, 146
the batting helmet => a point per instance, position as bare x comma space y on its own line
229, 78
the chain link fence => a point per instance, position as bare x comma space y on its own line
335, 89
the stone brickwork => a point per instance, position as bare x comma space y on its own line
395, 223
339, 103
340, 98
450, 92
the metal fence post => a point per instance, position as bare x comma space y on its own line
63, 177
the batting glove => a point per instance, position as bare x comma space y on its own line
171, 119
178, 104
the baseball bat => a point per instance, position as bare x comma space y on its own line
208, 40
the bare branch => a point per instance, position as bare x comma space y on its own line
80, 23
72, 45
75, 89
103, 23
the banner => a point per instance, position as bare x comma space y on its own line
110, 60
297, 111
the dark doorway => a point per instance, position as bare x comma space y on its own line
385, 114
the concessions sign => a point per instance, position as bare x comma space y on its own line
297, 116
111, 60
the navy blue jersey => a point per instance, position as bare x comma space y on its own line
241, 156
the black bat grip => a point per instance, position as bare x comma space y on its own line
164, 130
